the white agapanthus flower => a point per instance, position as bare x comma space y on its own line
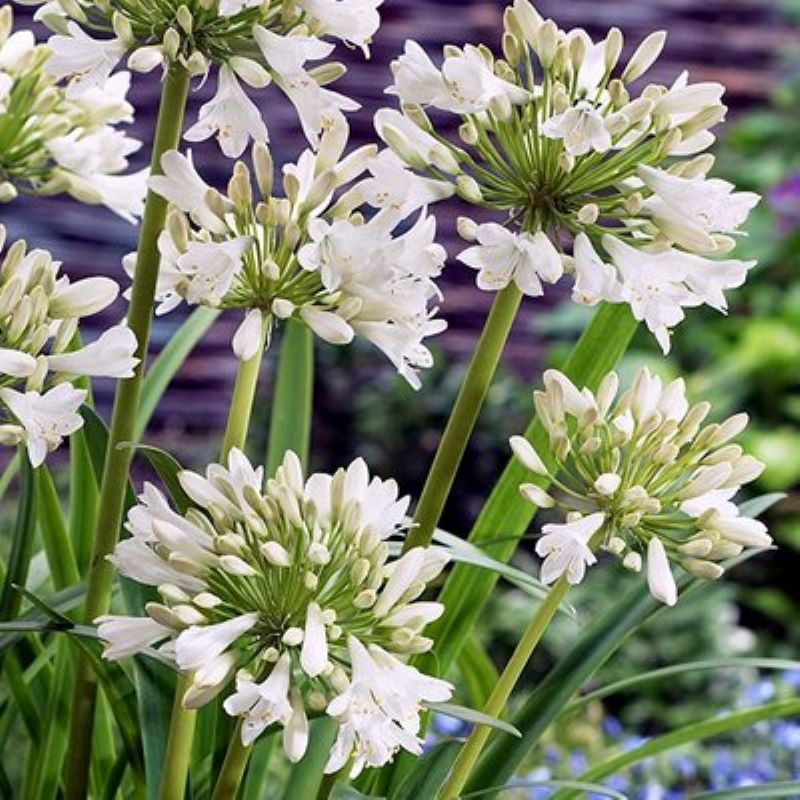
552, 138
288, 587
639, 476
310, 254
251, 43
39, 315
55, 142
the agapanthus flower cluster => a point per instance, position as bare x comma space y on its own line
552, 136
252, 42
308, 254
290, 587
53, 142
39, 315
642, 477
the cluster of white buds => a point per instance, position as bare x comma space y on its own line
308, 254
253, 42
39, 356
641, 477
54, 143
290, 587
552, 137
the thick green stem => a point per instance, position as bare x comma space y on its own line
126, 401
232, 772
179, 745
502, 691
244, 393
464, 416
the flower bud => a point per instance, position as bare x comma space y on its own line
644, 56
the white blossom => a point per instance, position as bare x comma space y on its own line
565, 549
646, 481
334, 634
502, 256
230, 115
45, 418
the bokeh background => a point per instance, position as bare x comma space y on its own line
748, 360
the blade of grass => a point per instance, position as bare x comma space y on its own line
169, 361
290, 424
695, 732
82, 500
680, 669
55, 536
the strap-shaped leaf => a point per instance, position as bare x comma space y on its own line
473, 717
765, 791
680, 669
695, 732
169, 361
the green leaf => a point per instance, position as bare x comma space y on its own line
117, 687
290, 423
465, 593
463, 552
305, 777
594, 647
8, 474
680, 669
21, 543
696, 731
478, 673
32, 619
473, 717
583, 786
758, 505
167, 467
430, 772
763, 792
169, 361
55, 536
44, 769
255, 787
83, 497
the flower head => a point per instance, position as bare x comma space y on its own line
552, 138
39, 315
248, 41
55, 142
288, 586
309, 254
640, 476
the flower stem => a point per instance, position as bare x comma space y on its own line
233, 767
126, 401
502, 691
244, 392
464, 416
179, 745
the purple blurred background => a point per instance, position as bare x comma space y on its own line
734, 41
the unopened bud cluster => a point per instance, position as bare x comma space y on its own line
54, 143
306, 254
290, 587
552, 136
39, 315
642, 476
